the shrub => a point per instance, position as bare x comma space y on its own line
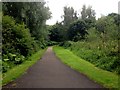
17, 43
101, 58
5, 66
66, 44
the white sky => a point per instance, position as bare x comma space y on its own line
101, 7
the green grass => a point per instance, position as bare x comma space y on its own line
19, 70
105, 78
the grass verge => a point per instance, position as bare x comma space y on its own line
19, 70
105, 78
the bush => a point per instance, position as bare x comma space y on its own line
16, 37
99, 57
17, 43
5, 66
77, 30
66, 44
51, 43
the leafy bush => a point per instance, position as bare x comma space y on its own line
51, 43
10, 60
17, 43
66, 44
101, 45
101, 58
5, 67
16, 38
77, 30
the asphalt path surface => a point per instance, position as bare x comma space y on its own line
50, 72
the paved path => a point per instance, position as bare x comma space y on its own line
50, 72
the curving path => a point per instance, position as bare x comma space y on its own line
49, 72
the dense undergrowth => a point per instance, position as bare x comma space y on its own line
94, 40
105, 78
18, 44
23, 32
106, 58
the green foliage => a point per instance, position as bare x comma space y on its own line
24, 31
66, 44
100, 46
33, 14
77, 30
11, 60
19, 70
51, 43
101, 58
5, 67
16, 38
107, 79
69, 16
17, 43
116, 18
88, 15
56, 33
93, 35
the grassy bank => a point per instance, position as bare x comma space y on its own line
105, 58
19, 70
105, 78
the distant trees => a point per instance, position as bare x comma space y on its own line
56, 32
88, 15
87, 12
59, 32
107, 28
75, 27
69, 16
116, 17
77, 30
97, 40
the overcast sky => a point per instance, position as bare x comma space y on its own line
101, 7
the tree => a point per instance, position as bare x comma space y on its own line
88, 15
70, 15
56, 33
90, 12
83, 12
87, 12
77, 30
23, 31
33, 14
108, 31
16, 38
116, 18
